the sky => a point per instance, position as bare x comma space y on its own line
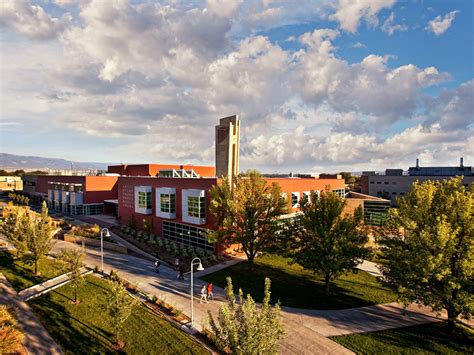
319, 86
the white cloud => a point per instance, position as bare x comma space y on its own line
31, 20
440, 24
389, 26
358, 45
349, 13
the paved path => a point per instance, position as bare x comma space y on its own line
299, 340
37, 339
49, 285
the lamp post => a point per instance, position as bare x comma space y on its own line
107, 234
199, 268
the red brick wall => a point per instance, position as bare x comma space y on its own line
42, 185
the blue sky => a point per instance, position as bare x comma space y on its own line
326, 85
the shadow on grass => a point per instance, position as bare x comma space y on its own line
299, 288
73, 335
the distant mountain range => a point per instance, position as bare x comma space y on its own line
16, 162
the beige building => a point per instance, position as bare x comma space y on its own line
11, 183
397, 183
227, 146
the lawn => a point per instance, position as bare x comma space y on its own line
420, 339
296, 287
20, 273
86, 328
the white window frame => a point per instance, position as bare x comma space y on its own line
145, 189
184, 206
165, 191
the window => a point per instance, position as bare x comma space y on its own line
197, 207
386, 182
372, 182
168, 203
144, 200
379, 182
394, 182
340, 192
295, 196
188, 235
394, 193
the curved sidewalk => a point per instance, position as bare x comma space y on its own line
37, 339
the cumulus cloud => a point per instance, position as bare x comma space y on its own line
31, 20
389, 26
440, 24
349, 13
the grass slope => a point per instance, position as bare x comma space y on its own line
86, 328
20, 273
420, 339
296, 287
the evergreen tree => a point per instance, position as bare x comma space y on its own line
428, 245
246, 210
244, 328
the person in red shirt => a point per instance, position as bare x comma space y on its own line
210, 295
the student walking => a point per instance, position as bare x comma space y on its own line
210, 294
157, 266
181, 272
203, 294
176, 264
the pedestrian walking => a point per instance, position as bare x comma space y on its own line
210, 294
203, 294
181, 272
176, 264
157, 266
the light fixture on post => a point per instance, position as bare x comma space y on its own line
107, 234
199, 268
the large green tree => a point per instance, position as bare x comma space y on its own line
244, 328
326, 241
247, 211
14, 227
428, 245
39, 235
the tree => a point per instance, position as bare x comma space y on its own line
246, 210
72, 264
323, 240
428, 245
119, 305
10, 334
14, 227
243, 328
39, 234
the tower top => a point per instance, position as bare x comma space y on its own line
227, 136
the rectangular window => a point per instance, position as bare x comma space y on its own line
197, 207
294, 199
340, 192
168, 203
144, 200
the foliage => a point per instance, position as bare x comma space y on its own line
85, 329
28, 231
321, 239
288, 279
119, 305
148, 225
428, 246
72, 259
244, 328
246, 210
421, 339
19, 199
10, 334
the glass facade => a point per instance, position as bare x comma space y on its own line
375, 212
168, 203
144, 200
340, 192
197, 207
185, 234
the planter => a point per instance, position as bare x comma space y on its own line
95, 243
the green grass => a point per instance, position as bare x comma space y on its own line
20, 273
420, 339
86, 328
296, 287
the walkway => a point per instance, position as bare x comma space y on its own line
37, 339
49, 285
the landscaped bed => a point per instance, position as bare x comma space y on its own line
86, 327
20, 273
164, 249
91, 231
296, 287
420, 339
